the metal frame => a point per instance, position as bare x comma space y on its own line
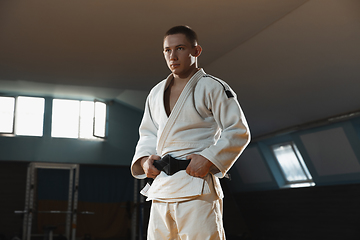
71, 213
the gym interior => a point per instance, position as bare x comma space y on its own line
293, 64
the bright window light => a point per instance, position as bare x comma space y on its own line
7, 114
292, 165
76, 119
65, 118
86, 119
29, 120
298, 185
100, 119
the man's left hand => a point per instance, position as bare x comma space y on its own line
199, 166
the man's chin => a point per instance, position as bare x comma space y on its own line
176, 71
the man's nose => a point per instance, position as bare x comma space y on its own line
173, 55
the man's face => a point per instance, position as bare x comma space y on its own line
180, 55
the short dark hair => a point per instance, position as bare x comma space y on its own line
186, 30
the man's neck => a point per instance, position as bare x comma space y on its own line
184, 78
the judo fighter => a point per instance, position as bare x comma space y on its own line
192, 132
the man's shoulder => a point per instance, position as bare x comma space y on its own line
211, 78
158, 86
212, 83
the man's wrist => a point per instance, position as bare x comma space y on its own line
142, 161
210, 164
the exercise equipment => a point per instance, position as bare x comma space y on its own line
71, 213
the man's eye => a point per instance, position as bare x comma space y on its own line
180, 48
167, 50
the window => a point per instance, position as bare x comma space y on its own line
22, 115
29, 120
7, 111
292, 165
78, 119
100, 119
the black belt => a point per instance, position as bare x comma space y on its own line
171, 165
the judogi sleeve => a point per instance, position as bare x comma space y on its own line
146, 145
235, 134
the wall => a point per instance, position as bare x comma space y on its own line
329, 210
104, 191
321, 212
110, 203
12, 197
331, 153
117, 149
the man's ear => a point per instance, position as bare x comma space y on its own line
198, 50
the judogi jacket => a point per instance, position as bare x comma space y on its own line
206, 120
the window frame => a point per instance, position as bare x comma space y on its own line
16, 123
12, 133
14, 120
106, 120
296, 183
94, 137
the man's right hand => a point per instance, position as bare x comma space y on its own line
147, 165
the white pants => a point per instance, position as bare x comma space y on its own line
196, 219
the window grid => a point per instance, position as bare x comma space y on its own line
84, 118
22, 116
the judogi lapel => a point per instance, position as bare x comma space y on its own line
177, 109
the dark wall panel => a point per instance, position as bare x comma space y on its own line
12, 196
327, 212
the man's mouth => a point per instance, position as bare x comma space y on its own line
174, 65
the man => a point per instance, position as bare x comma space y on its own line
195, 118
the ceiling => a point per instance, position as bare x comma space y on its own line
290, 62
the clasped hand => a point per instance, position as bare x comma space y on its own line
199, 166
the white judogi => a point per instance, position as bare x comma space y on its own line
198, 218
206, 121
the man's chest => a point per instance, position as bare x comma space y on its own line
191, 110
171, 96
